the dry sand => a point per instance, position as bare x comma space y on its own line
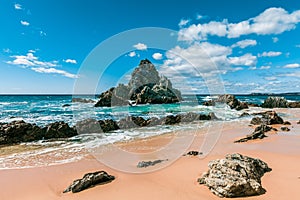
179, 180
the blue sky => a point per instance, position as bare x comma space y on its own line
251, 45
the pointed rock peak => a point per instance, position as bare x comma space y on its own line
145, 61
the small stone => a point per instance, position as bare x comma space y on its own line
284, 128
287, 123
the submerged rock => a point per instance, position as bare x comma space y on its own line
275, 102
89, 180
235, 176
145, 86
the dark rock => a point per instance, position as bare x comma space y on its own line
284, 128
66, 105
294, 104
193, 153
244, 114
275, 102
88, 126
287, 123
81, 100
145, 86
172, 119
235, 176
20, 131
212, 116
259, 133
90, 180
298, 122
228, 99
108, 125
209, 103
59, 130
253, 105
256, 121
144, 164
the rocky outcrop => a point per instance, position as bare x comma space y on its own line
268, 117
275, 102
145, 86
89, 180
259, 133
235, 176
294, 104
20, 131
228, 99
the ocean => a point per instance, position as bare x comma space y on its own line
45, 109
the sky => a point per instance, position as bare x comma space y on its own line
233, 46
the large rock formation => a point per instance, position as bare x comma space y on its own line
275, 102
268, 117
89, 180
145, 86
20, 131
228, 99
235, 176
259, 133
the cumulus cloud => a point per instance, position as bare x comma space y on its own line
183, 22
132, 54
270, 78
294, 74
140, 46
271, 21
292, 66
30, 60
270, 54
244, 43
157, 56
25, 23
53, 71
18, 6
264, 67
245, 60
72, 61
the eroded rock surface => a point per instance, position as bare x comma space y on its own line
235, 176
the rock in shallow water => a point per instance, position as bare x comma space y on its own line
235, 176
89, 180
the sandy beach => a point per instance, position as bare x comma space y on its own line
177, 181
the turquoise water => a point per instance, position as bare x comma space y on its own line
45, 109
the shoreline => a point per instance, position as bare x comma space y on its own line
178, 180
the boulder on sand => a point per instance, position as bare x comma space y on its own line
235, 176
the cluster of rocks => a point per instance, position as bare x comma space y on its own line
145, 86
279, 102
263, 122
228, 99
82, 100
235, 176
20, 131
100, 126
89, 180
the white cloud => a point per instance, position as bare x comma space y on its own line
270, 78
245, 43
264, 67
132, 54
29, 60
253, 68
72, 61
295, 74
198, 17
245, 60
54, 71
157, 56
183, 22
298, 45
7, 50
18, 6
25, 23
292, 66
271, 21
275, 39
201, 31
140, 46
270, 54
